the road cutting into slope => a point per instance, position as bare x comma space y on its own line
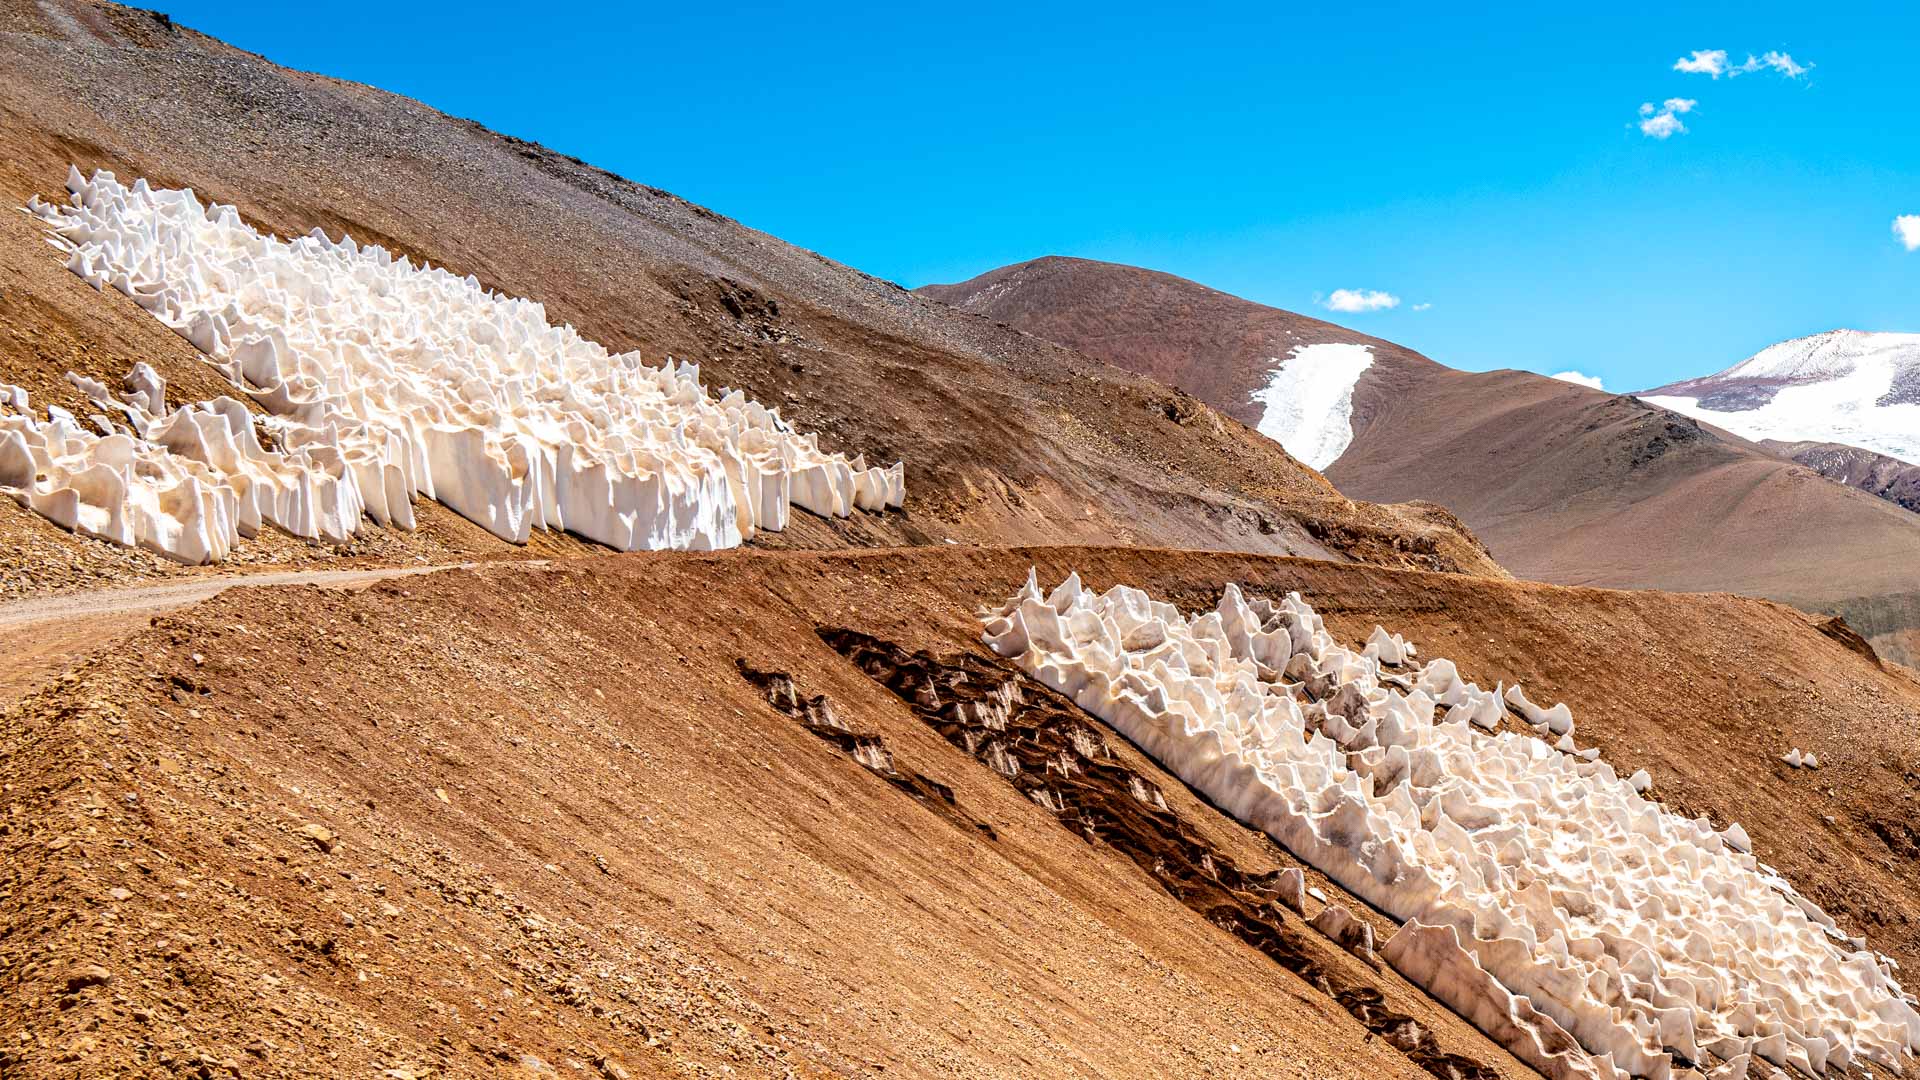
540, 780
38, 636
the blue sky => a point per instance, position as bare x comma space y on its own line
1491, 165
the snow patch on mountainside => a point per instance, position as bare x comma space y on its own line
1309, 401
1861, 389
1541, 895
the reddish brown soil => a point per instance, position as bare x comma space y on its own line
638, 858
1563, 483
1007, 438
634, 815
1891, 479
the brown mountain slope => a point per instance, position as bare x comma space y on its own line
297, 832
1876, 474
1892, 618
590, 817
1213, 345
1564, 483
1005, 437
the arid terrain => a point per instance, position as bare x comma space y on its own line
1876, 474
433, 804
1562, 482
406, 827
1013, 439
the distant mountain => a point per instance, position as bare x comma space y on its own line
1844, 386
1291, 376
1876, 474
1563, 483
1006, 437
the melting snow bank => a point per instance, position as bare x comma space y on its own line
1542, 897
401, 380
1309, 400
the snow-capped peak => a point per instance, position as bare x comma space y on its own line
1844, 386
1821, 356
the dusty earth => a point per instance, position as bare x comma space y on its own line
1562, 482
1876, 474
39, 636
1007, 438
519, 817
555, 812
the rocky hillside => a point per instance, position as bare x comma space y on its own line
1844, 386
1005, 437
293, 830
1564, 483
1876, 474
431, 804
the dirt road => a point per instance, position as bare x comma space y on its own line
39, 636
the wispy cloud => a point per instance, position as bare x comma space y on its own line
1711, 62
1664, 122
1583, 380
1777, 61
1907, 228
1422, 307
1352, 300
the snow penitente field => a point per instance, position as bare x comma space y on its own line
1629, 929
468, 613
385, 381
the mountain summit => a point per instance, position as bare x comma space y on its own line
1563, 483
1844, 386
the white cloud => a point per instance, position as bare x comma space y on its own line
1583, 380
1663, 126
1421, 307
1907, 228
1778, 61
1664, 123
1713, 64
1703, 62
1361, 300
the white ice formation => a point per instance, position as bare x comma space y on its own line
186, 484
1558, 719
1309, 400
1348, 932
1540, 893
1431, 957
1795, 759
1292, 887
417, 382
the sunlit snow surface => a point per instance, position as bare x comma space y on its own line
1309, 400
395, 380
186, 483
1542, 896
1844, 374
